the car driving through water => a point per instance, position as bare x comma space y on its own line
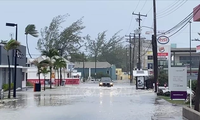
106, 81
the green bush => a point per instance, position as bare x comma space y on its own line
99, 75
6, 86
29, 84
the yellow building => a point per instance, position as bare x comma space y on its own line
121, 75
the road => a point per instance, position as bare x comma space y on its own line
90, 102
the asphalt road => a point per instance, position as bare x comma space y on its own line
90, 102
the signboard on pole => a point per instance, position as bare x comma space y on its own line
198, 49
163, 52
178, 82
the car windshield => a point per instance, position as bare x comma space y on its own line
106, 79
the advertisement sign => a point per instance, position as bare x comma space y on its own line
140, 82
178, 82
198, 49
163, 40
163, 52
150, 65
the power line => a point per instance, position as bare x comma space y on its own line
169, 6
172, 10
143, 5
130, 24
137, 5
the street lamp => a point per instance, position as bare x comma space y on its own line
15, 70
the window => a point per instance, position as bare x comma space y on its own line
185, 60
149, 57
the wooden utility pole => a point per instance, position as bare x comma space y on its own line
139, 19
154, 45
130, 57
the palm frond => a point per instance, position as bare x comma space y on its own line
50, 54
31, 30
12, 44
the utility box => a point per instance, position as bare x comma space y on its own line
140, 78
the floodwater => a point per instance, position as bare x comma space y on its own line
90, 102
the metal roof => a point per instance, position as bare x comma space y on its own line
92, 65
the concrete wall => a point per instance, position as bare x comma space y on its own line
190, 114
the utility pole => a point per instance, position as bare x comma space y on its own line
83, 67
190, 48
154, 45
133, 58
139, 19
130, 57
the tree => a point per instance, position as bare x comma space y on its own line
44, 71
59, 64
30, 30
68, 40
162, 78
10, 45
39, 65
50, 54
110, 50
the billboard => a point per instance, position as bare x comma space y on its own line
178, 82
196, 13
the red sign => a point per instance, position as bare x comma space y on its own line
162, 54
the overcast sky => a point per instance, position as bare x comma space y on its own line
98, 16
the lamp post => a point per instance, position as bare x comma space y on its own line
190, 48
15, 69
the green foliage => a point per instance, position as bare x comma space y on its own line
11, 44
194, 85
29, 84
59, 63
110, 50
44, 71
78, 57
162, 78
6, 86
31, 30
50, 53
69, 39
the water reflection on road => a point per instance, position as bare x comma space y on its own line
88, 102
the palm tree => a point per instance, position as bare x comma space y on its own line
50, 55
39, 65
31, 30
59, 63
44, 71
10, 45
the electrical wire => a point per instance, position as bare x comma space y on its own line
130, 24
143, 5
137, 5
169, 7
195, 12
183, 22
172, 10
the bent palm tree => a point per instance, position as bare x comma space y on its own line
10, 45
31, 30
59, 63
50, 55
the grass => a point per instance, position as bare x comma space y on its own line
178, 102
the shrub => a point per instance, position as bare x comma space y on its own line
6, 86
29, 84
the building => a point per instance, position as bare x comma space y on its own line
21, 66
121, 75
33, 76
103, 68
179, 57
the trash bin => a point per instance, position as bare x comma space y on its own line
63, 82
37, 87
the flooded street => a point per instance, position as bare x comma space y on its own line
90, 102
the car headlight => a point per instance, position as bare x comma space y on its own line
111, 83
100, 83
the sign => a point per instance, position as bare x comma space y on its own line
163, 52
163, 40
198, 49
140, 82
150, 65
178, 82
